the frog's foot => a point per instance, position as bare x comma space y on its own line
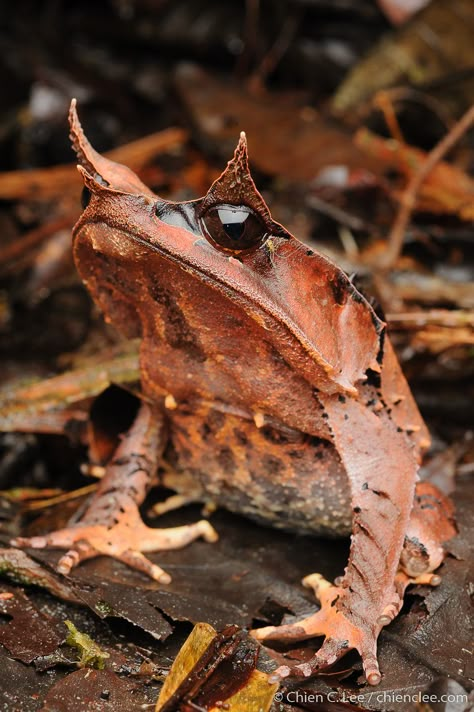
125, 538
188, 491
176, 501
170, 504
431, 526
402, 581
341, 635
111, 524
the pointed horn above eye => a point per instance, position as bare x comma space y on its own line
241, 156
102, 169
235, 185
84, 151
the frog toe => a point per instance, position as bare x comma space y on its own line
70, 538
83, 550
339, 629
125, 540
329, 653
136, 560
176, 537
330, 624
340, 637
59, 539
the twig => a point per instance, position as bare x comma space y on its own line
408, 199
32, 239
49, 183
384, 103
276, 52
60, 498
252, 14
337, 214
433, 317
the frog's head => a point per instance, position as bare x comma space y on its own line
232, 216
228, 241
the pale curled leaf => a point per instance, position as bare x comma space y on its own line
195, 645
256, 695
45, 404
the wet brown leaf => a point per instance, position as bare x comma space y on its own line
253, 573
45, 405
93, 691
29, 634
16, 565
314, 143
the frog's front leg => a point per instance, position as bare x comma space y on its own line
111, 524
381, 466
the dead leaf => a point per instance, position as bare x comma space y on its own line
436, 42
196, 676
93, 691
447, 190
29, 634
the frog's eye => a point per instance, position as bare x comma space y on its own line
233, 228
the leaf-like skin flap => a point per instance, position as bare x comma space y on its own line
100, 168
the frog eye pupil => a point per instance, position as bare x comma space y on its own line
233, 222
233, 228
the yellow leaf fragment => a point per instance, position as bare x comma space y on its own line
194, 647
91, 655
256, 696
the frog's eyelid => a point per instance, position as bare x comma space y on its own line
235, 186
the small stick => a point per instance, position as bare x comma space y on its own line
383, 102
408, 199
33, 238
252, 14
433, 317
276, 52
58, 499
337, 214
